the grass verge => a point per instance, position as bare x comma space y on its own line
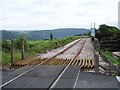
111, 57
37, 47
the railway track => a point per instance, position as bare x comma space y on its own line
37, 60
69, 63
84, 64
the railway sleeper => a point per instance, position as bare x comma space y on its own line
76, 63
83, 63
65, 62
59, 61
92, 61
89, 63
80, 63
73, 62
56, 62
68, 62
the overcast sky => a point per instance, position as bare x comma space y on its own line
51, 14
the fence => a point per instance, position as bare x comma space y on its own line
97, 48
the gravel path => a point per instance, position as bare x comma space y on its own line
55, 51
70, 53
88, 51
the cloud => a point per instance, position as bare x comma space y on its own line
50, 14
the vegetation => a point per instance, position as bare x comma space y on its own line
45, 34
112, 58
109, 37
32, 47
105, 31
51, 36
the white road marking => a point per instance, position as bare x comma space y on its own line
118, 78
76, 79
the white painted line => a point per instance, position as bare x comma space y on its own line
17, 77
76, 79
118, 78
34, 68
52, 86
60, 76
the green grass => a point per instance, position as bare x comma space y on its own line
38, 47
6, 56
110, 56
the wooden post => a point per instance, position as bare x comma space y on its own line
22, 50
96, 57
97, 63
11, 52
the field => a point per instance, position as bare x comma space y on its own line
36, 47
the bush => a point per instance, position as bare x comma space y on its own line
105, 31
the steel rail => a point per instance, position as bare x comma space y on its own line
6, 83
63, 71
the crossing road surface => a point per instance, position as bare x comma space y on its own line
44, 75
65, 71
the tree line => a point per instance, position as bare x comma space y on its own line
105, 31
7, 44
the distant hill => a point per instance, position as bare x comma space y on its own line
9, 34
44, 34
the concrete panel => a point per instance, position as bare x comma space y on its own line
91, 80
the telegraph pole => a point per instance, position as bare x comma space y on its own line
22, 49
96, 55
11, 52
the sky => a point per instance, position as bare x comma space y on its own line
53, 14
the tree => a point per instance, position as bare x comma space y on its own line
106, 31
6, 45
18, 42
51, 36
